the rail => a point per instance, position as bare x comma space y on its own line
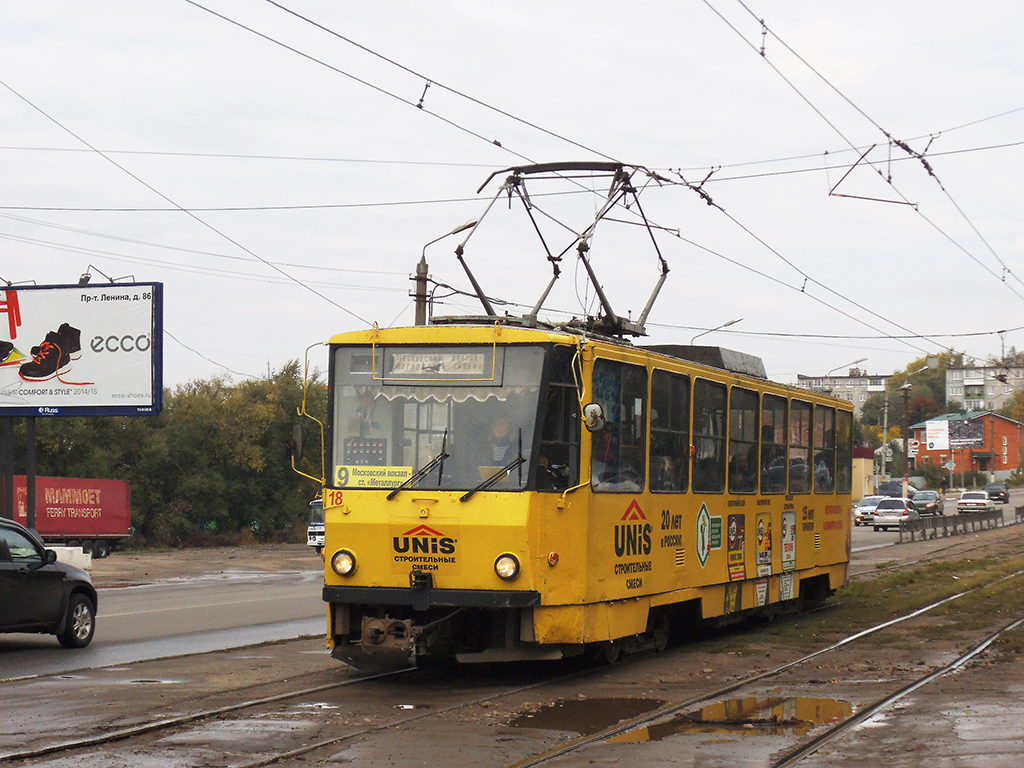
952, 525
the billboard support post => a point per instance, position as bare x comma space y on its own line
7, 437
30, 473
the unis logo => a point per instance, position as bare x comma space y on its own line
633, 533
423, 540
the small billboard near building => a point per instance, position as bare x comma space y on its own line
936, 435
81, 350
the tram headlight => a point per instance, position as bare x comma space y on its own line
507, 567
343, 563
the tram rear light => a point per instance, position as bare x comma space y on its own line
507, 567
552, 559
343, 563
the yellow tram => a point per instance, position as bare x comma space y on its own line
502, 492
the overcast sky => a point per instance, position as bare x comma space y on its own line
269, 164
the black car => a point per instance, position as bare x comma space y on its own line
997, 492
38, 594
894, 489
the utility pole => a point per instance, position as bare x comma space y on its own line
421, 291
906, 436
885, 434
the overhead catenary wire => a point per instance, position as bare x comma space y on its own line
920, 156
549, 134
191, 215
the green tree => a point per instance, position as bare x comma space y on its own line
212, 465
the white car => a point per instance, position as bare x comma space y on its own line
891, 512
974, 501
864, 510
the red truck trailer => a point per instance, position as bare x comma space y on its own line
77, 512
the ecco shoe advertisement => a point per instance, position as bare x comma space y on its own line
81, 350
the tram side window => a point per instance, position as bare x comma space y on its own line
618, 450
844, 452
670, 431
773, 444
799, 447
558, 462
824, 449
743, 423
709, 403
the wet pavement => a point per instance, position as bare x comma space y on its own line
973, 718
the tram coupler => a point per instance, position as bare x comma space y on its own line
420, 582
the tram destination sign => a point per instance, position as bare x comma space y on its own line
81, 350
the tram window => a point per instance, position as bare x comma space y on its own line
397, 409
743, 424
844, 452
799, 447
824, 449
709, 402
670, 431
773, 444
558, 465
618, 450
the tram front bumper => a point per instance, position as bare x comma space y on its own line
426, 596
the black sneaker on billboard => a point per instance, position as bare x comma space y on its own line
73, 340
50, 360
69, 339
6, 348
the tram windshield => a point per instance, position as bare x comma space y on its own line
435, 418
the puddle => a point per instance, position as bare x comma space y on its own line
584, 716
412, 706
775, 716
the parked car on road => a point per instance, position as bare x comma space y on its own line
891, 512
864, 510
997, 492
974, 501
38, 594
929, 502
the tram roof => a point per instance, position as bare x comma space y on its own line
488, 330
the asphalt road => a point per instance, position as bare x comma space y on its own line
864, 537
177, 617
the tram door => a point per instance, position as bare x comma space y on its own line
621, 531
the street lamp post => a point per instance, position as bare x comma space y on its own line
716, 328
421, 272
828, 376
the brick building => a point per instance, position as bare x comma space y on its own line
999, 451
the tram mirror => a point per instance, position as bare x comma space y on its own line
295, 446
593, 417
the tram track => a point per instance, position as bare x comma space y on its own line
434, 719
796, 755
138, 737
167, 723
838, 730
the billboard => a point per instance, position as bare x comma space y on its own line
966, 434
936, 435
81, 350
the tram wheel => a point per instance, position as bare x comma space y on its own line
606, 653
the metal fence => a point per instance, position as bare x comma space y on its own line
951, 525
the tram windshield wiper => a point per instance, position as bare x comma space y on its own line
501, 474
426, 469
